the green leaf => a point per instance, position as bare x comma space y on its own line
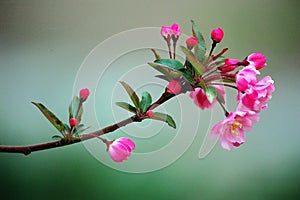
80, 129
67, 127
200, 49
172, 63
57, 123
73, 109
167, 71
203, 85
220, 98
56, 137
145, 102
172, 69
127, 106
198, 66
211, 93
165, 118
164, 77
187, 75
134, 98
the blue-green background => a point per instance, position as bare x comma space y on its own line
42, 45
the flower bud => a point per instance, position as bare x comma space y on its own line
230, 65
120, 149
84, 93
176, 29
150, 113
191, 42
257, 59
166, 31
73, 122
217, 35
174, 87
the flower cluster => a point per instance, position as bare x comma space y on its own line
208, 74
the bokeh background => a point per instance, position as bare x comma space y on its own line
42, 45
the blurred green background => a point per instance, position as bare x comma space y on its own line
42, 45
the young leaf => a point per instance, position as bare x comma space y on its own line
201, 47
165, 118
134, 98
145, 102
157, 57
80, 129
67, 128
164, 77
198, 66
126, 106
57, 123
211, 93
167, 71
172, 63
73, 109
56, 137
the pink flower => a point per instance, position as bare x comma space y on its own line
166, 31
246, 78
232, 128
176, 29
174, 87
230, 65
84, 93
73, 122
200, 98
217, 34
191, 42
150, 113
173, 30
256, 97
257, 59
120, 149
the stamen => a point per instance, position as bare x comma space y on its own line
234, 126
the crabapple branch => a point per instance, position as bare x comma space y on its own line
27, 149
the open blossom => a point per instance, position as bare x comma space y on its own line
217, 34
232, 129
174, 87
256, 59
120, 149
256, 97
200, 98
246, 78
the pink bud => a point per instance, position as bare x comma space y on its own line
230, 65
120, 149
217, 35
73, 122
174, 87
257, 59
176, 29
150, 113
165, 31
191, 42
84, 93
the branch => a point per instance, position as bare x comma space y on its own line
71, 140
